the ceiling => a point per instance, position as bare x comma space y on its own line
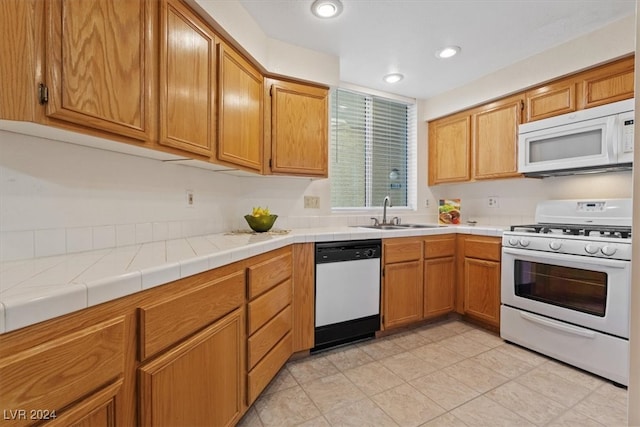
376, 37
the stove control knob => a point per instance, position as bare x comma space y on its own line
591, 249
524, 242
555, 245
513, 241
608, 250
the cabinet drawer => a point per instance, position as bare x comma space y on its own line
482, 248
266, 306
56, 373
438, 247
268, 274
267, 336
399, 250
175, 318
268, 367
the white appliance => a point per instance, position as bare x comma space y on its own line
595, 139
566, 284
347, 291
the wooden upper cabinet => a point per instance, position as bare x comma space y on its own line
240, 107
98, 65
299, 129
449, 149
610, 83
187, 80
601, 85
551, 100
495, 138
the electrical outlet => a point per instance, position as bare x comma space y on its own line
189, 198
311, 202
427, 204
493, 202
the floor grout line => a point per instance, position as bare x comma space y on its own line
522, 366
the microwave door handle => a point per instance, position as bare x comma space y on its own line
612, 139
555, 258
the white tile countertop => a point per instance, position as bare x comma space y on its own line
39, 289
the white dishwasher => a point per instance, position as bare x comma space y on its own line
347, 291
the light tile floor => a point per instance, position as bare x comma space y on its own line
444, 374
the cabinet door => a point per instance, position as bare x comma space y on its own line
199, 382
187, 80
99, 58
610, 83
482, 290
402, 293
299, 129
449, 149
240, 106
439, 282
551, 100
495, 138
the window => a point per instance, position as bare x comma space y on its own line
372, 151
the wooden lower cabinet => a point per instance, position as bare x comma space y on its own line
480, 267
439, 275
199, 382
402, 282
46, 381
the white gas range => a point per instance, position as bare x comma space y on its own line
566, 284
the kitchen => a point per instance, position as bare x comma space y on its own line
131, 195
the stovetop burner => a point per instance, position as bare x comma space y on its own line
622, 232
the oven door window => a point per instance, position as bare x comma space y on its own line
572, 288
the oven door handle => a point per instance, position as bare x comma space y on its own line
556, 325
555, 257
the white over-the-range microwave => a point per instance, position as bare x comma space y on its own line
591, 140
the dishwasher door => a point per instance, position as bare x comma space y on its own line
347, 297
347, 290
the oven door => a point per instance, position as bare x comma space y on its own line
588, 292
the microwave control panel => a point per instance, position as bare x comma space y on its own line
627, 135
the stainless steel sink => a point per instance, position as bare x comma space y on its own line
419, 226
399, 226
382, 227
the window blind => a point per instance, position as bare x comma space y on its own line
372, 151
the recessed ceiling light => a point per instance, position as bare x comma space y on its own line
326, 8
447, 52
393, 78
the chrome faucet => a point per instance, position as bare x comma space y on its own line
386, 201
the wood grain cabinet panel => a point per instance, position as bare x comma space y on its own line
402, 281
187, 80
495, 139
99, 65
439, 275
57, 373
199, 382
267, 274
551, 100
240, 108
610, 83
303, 296
450, 149
262, 374
480, 265
299, 129
167, 321
263, 308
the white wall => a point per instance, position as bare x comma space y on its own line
517, 197
81, 198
